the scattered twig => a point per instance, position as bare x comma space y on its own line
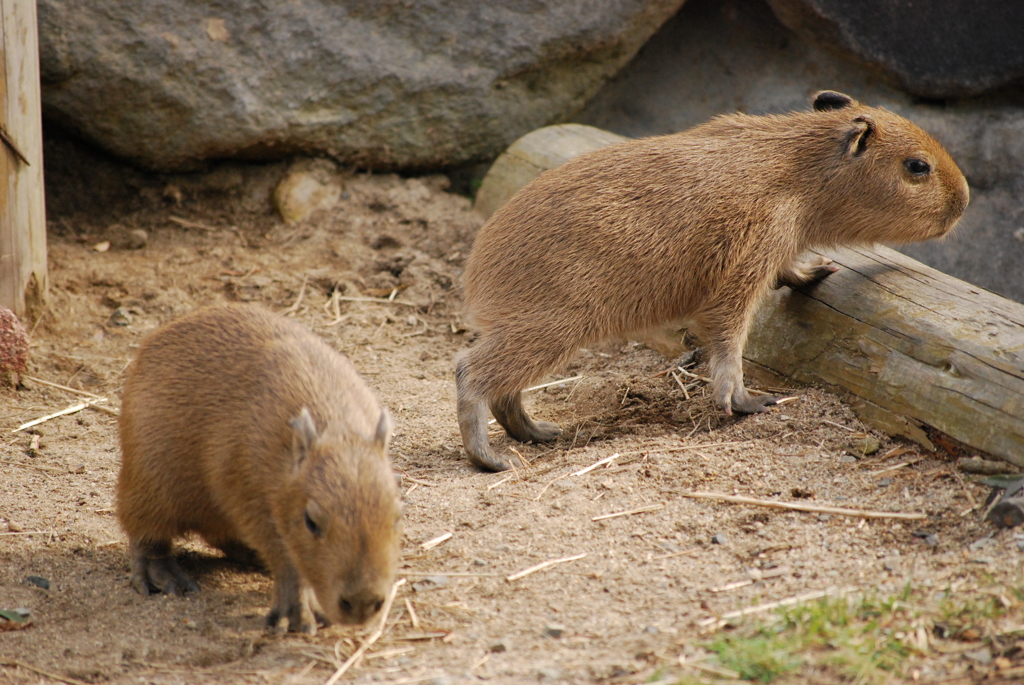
63, 412
812, 508
894, 467
65, 388
596, 464
453, 574
755, 576
786, 400
63, 679
298, 300
719, 671
378, 300
412, 614
676, 554
717, 622
686, 393
424, 483
430, 544
373, 637
32, 532
640, 510
543, 565
500, 482
987, 467
558, 382
191, 224
839, 425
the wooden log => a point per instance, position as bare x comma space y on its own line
907, 346
23, 280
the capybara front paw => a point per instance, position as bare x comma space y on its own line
753, 404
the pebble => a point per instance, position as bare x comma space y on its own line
137, 239
555, 630
479, 562
651, 630
718, 539
848, 459
982, 656
39, 581
979, 544
498, 647
430, 583
549, 674
14, 527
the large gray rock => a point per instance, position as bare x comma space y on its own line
935, 49
378, 83
720, 56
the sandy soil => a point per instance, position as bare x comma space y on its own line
623, 612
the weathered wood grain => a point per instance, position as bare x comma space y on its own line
23, 279
908, 347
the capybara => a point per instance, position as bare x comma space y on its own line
697, 225
246, 428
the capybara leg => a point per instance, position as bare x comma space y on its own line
154, 567
799, 274
725, 337
509, 411
472, 411
289, 602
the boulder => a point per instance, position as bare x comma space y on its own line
936, 49
385, 84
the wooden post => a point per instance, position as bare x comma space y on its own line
907, 346
22, 209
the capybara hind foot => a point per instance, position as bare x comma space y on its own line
509, 412
153, 567
472, 412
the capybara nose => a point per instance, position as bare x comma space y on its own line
360, 608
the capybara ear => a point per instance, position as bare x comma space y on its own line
382, 436
828, 100
303, 434
860, 135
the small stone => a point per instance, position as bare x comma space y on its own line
718, 539
864, 445
14, 526
23, 612
498, 647
79, 469
430, 583
889, 566
120, 317
102, 246
13, 343
824, 517
979, 544
550, 674
190, 624
848, 459
39, 581
982, 656
555, 630
784, 417
479, 562
1020, 544
137, 239
309, 186
652, 630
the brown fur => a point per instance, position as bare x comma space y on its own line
699, 225
238, 424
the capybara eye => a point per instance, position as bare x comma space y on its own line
312, 526
378, 605
346, 606
918, 167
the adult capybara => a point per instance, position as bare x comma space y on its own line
698, 225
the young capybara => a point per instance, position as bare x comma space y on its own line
246, 428
698, 225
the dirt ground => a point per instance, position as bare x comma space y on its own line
624, 611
